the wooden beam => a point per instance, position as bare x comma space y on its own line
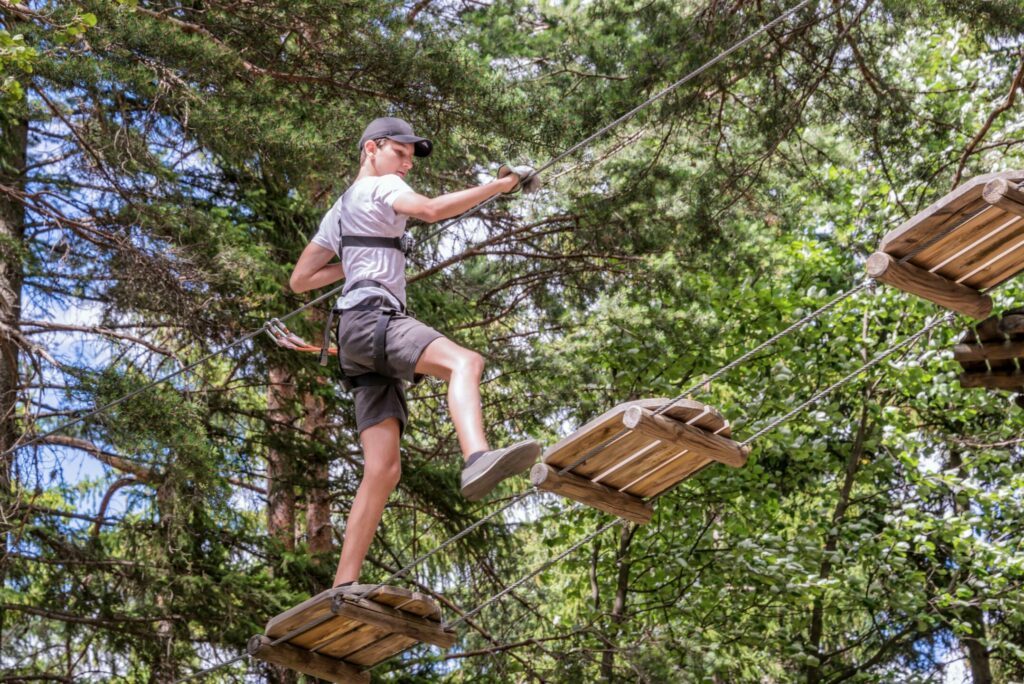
700, 442
993, 351
909, 278
583, 490
387, 618
1011, 324
304, 661
1007, 380
1004, 195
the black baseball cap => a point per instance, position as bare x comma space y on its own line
398, 130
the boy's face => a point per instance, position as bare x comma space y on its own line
393, 157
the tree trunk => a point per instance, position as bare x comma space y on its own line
164, 668
977, 654
280, 473
619, 603
812, 673
319, 532
13, 149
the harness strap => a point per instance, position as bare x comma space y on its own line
359, 284
384, 375
380, 342
325, 342
349, 382
372, 241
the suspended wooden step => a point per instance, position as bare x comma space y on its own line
969, 241
336, 634
654, 453
992, 352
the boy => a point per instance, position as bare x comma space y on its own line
379, 347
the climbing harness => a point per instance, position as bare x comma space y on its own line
383, 373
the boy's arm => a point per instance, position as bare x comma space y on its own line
434, 209
313, 270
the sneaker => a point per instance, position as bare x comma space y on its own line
485, 469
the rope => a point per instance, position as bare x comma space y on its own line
170, 376
767, 428
688, 77
868, 283
743, 358
533, 573
945, 318
212, 669
446, 543
586, 141
643, 105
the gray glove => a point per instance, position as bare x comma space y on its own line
529, 180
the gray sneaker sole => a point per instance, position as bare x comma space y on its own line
512, 462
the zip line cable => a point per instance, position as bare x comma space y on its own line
905, 343
586, 141
640, 107
550, 562
818, 396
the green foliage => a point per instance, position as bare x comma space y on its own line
870, 538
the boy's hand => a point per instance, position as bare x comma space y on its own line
529, 180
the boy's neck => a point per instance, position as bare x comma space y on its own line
366, 171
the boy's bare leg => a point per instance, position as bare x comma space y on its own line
462, 369
381, 470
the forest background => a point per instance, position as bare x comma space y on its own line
163, 165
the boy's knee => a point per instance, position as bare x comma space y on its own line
383, 471
472, 363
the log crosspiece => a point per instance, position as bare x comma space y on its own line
909, 278
301, 660
954, 251
645, 453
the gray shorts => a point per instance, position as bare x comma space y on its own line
405, 341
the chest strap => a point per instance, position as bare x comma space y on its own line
371, 241
403, 244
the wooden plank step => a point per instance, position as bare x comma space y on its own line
336, 633
641, 453
991, 353
967, 242
1005, 380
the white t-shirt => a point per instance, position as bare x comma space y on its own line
366, 208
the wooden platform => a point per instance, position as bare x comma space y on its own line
655, 453
334, 635
969, 241
992, 353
